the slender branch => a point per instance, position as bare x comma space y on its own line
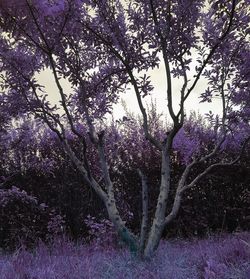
214, 48
46, 113
52, 63
64, 104
214, 151
89, 181
27, 34
183, 89
148, 136
220, 164
65, 20
224, 125
166, 63
38, 27
105, 166
177, 124
144, 223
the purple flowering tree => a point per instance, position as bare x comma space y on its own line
102, 48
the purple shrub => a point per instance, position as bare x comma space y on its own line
101, 233
103, 49
56, 224
23, 220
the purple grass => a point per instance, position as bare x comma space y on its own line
224, 257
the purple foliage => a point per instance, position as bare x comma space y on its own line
101, 233
103, 48
23, 220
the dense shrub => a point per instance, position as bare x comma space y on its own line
35, 161
101, 233
23, 220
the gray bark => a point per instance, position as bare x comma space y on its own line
144, 223
159, 218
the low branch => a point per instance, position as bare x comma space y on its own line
220, 164
213, 153
144, 223
105, 166
181, 188
89, 180
175, 208
178, 194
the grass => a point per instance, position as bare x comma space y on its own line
224, 257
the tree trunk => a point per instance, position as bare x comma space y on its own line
159, 218
108, 199
125, 235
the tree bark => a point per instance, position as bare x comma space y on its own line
144, 222
108, 199
159, 218
124, 233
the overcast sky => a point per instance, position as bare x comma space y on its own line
158, 94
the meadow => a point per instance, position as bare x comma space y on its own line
220, 257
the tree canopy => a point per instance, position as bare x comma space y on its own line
105, 47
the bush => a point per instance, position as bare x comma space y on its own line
23, 220
219, 203
101, 233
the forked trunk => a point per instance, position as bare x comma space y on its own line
159, 218
153, 240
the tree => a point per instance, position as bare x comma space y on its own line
104, 47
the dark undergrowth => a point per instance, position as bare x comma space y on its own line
219, 257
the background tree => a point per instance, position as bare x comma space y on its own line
102, 47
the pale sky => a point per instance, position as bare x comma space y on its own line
158, 94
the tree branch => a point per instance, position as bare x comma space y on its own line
148, 136
90, 181
166, 63
105, 166
220, 164
220, 40
144, 223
